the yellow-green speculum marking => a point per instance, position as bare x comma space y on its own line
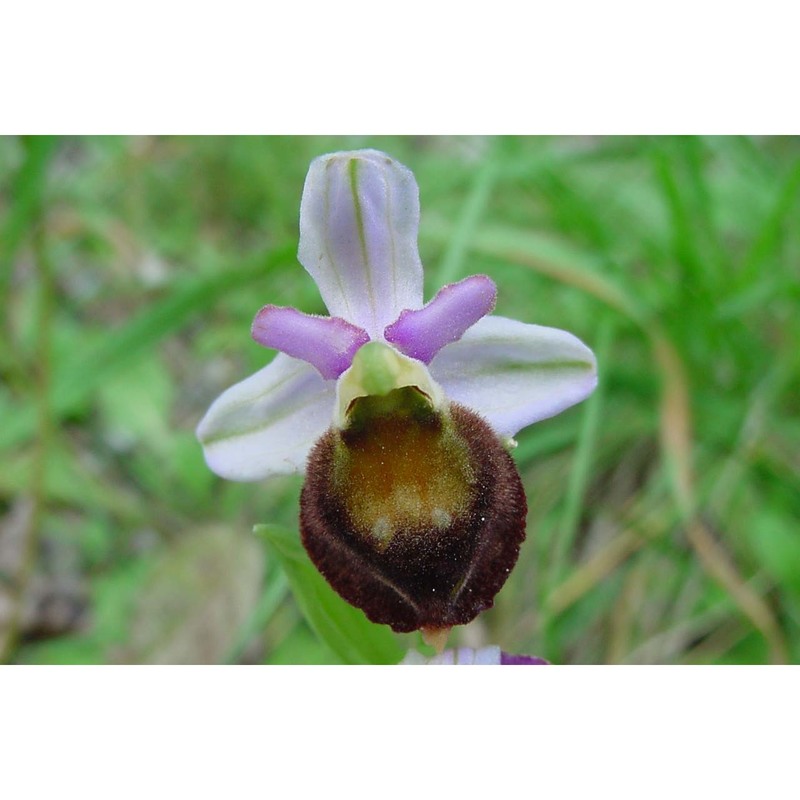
398, 463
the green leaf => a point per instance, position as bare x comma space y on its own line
135, 405
776, 541
68, 650
342, 627
301, 646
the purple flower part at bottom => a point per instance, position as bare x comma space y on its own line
509, 659
490, 656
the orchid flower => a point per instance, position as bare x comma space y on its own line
401, 413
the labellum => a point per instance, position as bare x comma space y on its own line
412, 509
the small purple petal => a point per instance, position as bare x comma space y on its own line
423, 333
509, 659
327, 343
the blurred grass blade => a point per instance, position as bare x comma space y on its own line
768, 240
271, 598
547, 256
451, 267
680, 174
676, 441
345, 629
26, 196
77, 378
583, 460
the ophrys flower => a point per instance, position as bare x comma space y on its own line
400, 413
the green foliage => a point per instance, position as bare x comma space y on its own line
777, 544
343, 628
663, 512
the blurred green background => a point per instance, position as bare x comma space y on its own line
663, 523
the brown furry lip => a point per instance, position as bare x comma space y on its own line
429, 578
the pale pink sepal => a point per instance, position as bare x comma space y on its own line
515, 374
267, 424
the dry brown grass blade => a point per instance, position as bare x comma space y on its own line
675, 416
591, 572
719, 565
676, 441
718, 643
639, 523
